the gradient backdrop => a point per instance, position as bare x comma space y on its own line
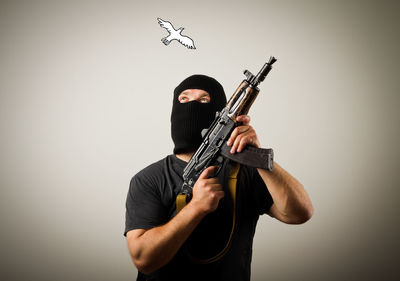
85, 100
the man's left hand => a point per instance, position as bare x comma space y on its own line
243, 135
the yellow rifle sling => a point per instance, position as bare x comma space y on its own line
232, 182
180, 202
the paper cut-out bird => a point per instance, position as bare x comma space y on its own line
175, 34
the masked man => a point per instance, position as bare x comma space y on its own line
211, 238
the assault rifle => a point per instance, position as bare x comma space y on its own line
213, 150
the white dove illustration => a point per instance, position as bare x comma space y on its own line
175, 34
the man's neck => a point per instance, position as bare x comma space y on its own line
185, 156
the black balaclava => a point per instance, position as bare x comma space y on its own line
189, 119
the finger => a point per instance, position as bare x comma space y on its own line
207, 172
220, 194
212, 180
244, 119
235, 144
243, 142
248, 138
237, 131
215, 187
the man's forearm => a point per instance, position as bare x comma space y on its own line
155, 247
291, 202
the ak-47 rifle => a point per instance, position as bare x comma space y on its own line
213, 150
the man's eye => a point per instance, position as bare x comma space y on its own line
204, 100
183, 99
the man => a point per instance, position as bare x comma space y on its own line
163, 243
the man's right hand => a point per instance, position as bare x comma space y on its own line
153, 248
207, 192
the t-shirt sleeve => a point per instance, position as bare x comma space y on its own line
144, 208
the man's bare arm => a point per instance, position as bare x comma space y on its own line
151, 249
291, 202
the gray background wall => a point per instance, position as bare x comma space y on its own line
85, 98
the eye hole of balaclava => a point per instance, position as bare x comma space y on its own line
189, 119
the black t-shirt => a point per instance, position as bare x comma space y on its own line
151, 202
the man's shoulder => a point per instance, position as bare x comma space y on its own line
154, 169
154, 179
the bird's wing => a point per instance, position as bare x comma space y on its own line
186, 41
166, 24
